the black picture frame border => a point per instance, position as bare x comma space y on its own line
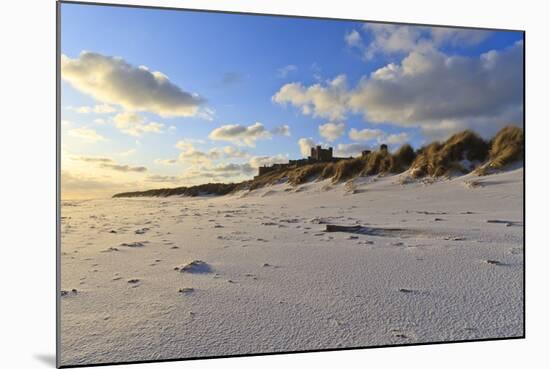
58, 182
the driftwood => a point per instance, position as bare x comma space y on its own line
339, 228
372, 231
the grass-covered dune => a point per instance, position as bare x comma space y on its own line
199, 190
461, 153
506, 147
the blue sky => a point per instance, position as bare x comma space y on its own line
291, 76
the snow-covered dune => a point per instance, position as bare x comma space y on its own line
179, 277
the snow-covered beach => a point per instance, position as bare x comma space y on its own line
255, 272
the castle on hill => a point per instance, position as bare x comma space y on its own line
318, 155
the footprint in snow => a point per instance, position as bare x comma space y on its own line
186, 290
133, 244
399, 334
65, 293
494, 262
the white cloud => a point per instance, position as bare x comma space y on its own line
396, 139
239, 134
378, 135
390, 39
86, 134
283, 130
190, 154
427, 89
97, 109
326, 101
350, 149
258, 161
332, 131
195, 156
184, 144
135, 125
486, 126
166, 161
365, 134
94, 159
232, 169
305, 145
458, 36
123, 168
353, 39
112, 80
233, 152
224, 172
286, 70
206, 113
402, 39
109, 163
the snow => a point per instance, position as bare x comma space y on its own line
440, 261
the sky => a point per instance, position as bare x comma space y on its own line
155, 98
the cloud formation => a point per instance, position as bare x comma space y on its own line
112, 80
332, 131
350, 149
108, 163
365, 134
191, 154
286, 70
259, 161
233, 152
396, 139
305, 145
430, 87
246, 135
239, 134
427, 89
94, 159
378, 135
86, 134
135, 125
283, 130
123, 168
325, 101
389, 39
233, 169
96, 109
166, 161
353, 39
218, 173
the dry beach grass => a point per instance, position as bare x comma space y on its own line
462, 153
